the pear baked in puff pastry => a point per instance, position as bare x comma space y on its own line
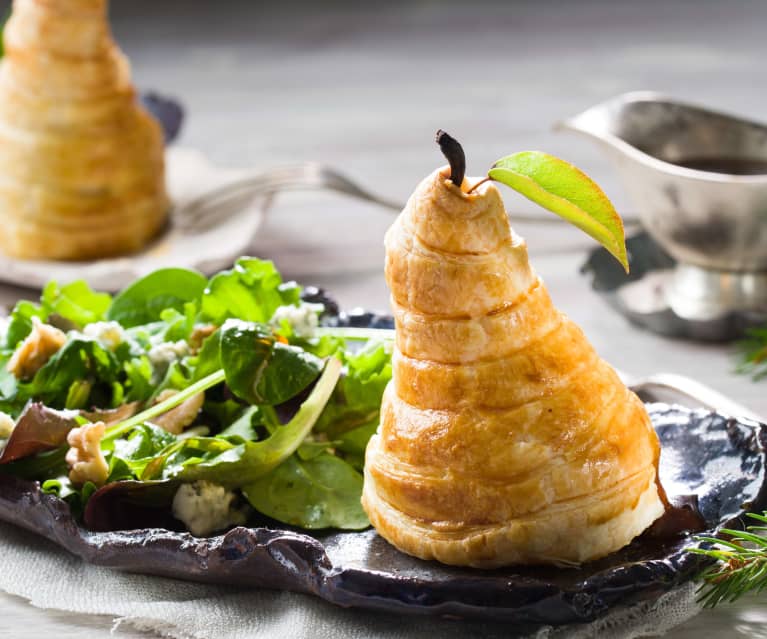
504, 438
81, 162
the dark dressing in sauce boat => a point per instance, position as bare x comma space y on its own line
725, 165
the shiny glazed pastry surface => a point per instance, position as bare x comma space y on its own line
504, 438
81, 162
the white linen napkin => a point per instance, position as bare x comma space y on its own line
51, 578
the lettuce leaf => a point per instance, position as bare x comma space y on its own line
356, 400
75, 302
250, 291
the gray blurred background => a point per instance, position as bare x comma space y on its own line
282, 81
364, 86
277, 82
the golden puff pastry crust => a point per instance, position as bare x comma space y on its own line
81, 162
504, 438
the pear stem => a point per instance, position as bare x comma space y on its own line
453, 151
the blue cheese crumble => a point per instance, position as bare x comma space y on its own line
205, 507
166, 353
303, 319
110, 334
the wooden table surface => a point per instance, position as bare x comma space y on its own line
364, 87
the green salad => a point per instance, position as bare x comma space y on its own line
200, 402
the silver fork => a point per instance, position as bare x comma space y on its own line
216, 205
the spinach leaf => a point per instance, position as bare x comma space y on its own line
80, 358
144, 300
75, 302
42, 466
321, 492
259, 368
251, 291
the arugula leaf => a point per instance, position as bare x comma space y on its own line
259, 368
139, 448
146, 299
75, 302
321, 492
179, 325
63, 488
221, 411
244, 425
138, 382
250, 291
567, 191
233, 464
177, 377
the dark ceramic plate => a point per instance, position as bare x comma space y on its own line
719, 459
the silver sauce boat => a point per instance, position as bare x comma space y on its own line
698, 179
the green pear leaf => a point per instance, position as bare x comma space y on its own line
564, 189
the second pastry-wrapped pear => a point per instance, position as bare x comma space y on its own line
504, 437
81, 162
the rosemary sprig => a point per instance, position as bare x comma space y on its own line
741, 564
753, 354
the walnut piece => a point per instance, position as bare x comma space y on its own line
199, 335
38, 347
178, 418
85, 459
